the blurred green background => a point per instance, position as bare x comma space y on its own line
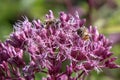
105, 14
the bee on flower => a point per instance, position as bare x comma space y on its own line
83, 33
51, 22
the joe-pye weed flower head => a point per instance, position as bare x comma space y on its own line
57, 47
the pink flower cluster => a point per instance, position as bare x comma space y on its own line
58, 48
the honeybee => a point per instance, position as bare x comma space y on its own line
83, 33
51, 22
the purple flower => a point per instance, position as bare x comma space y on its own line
11, 60
59, 47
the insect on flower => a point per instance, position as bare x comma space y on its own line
51, 22
83, 33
